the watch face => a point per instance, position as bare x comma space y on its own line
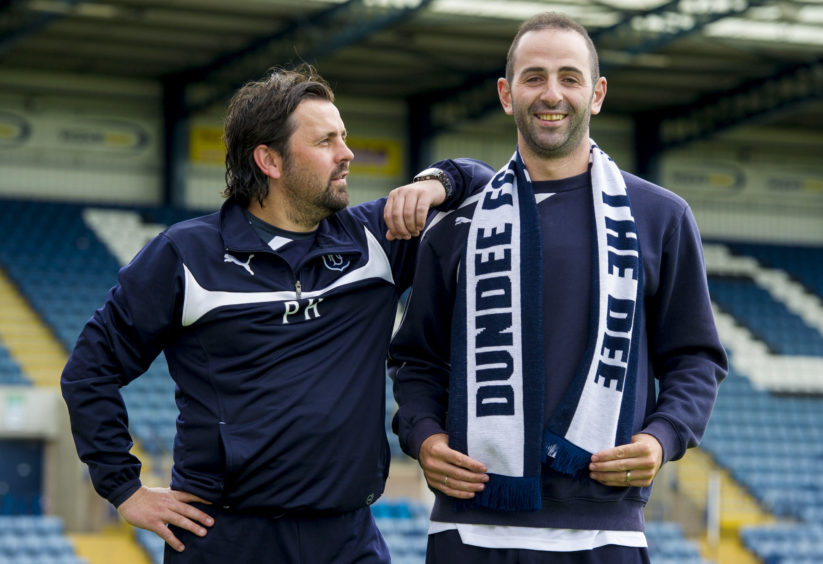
431, 174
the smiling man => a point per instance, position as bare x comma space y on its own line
542, 315
274, 315
552, 95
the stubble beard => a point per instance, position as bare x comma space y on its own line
555, 145
311, 201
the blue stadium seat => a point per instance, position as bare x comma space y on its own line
10, 372
803, 263
35, 539
668, 544
152, 544
784, 331
772, 445
404, 524
785, 542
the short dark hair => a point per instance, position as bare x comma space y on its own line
260, 114
551, 20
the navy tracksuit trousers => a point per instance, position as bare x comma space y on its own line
240, 538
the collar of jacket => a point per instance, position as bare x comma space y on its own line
333, 234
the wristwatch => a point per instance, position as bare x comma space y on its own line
440, 176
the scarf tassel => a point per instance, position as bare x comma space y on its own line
506, 493
564, 456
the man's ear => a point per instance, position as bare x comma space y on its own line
268, 161
598, 95
504, 92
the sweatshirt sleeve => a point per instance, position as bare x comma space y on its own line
419, 355
118, 344
686, 353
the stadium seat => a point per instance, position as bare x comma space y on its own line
35, 539
784, 331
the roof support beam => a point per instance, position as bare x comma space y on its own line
650, 30
676, 127
305, 39
32, 21
747, 102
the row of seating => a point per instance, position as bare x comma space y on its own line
35, 539
786, 542
152, 544
784, 331
802, 263
778, 458
773, 446
152, 409
10, 372
669, 545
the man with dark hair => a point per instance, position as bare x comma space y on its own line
274, 315
553, 302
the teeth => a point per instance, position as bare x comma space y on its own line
550, 117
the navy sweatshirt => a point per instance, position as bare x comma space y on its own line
278, 359
679, 348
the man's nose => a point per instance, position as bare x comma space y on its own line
345, 154
551, 93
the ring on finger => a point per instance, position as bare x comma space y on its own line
628, 476
446, 481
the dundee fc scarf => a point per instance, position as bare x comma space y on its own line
496, 393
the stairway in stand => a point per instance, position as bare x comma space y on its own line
40, 356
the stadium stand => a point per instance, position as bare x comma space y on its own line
28, 539
772, 443
391, 407
784, 331
801, 263
404, 524
762, 439
792, 303
10, 373
153, 545
64, 270
57, 263
668, 544
64, 259
786, 543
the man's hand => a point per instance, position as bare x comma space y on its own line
408, 206
153, 508
634, 464
451, 471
